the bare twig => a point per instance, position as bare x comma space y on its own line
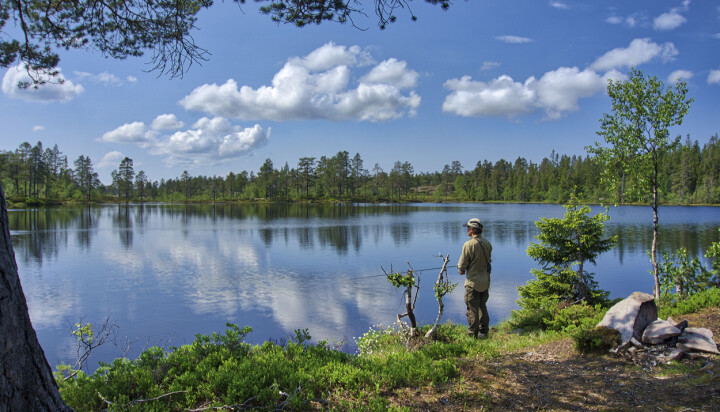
441, 288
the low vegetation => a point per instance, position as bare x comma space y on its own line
222, 371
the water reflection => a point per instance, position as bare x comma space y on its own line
164, 270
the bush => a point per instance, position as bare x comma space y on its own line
596, 340
575, 318
674, 305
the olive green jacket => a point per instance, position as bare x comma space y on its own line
473, 263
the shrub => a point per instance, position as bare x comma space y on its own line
596, 340
574, 318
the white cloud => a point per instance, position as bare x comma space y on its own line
672, 19
317, 86
167, 122
639, 51
502, 97
487, 65
669, 21
210, 141
134, 132
629, 21
132, 79
57, 89
106, 77
513, 39
714, 77
38, 128
556, 92
679, 75
559, 5
111, 160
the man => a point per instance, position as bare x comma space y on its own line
474, 264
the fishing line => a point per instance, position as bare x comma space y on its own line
377, 276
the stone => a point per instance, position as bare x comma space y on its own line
707, 333
673, 355
659, 331
697, 341
630, 316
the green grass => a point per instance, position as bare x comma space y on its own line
222, 370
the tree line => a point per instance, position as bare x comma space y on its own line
38, 174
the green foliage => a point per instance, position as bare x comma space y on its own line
713, 254
690, 171
637, 132
670, 305
596, 340
565, 245
552, 315
401, 280
574, 318
443, 288
686, 275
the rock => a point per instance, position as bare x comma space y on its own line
659, 331
707, 333
673, 355
697, 339
682, 325
630, 316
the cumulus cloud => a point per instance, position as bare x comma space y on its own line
669, 21
513, 39
672, 19
317, 86
556, 92
38, 128
639, 51
559, 5
679, 75
167, 122
500, 97
714, 77
134, 132
132, 79
210, 141
57, 89
111, 160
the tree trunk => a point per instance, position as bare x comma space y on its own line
653, 253
26, 380
410, 308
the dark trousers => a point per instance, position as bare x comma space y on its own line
477, 314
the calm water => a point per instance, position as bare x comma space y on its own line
165, 273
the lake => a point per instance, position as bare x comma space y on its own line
164, 273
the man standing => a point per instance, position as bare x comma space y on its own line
474, 263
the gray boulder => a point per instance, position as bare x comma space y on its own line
659, 331
630, 316
697, 339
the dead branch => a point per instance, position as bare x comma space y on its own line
442, 287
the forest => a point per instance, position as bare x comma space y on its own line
38, 175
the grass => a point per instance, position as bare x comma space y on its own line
222, 371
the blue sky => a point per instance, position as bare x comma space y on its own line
483, 80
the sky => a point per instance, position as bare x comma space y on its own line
484, 80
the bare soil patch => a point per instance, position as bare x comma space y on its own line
555, 377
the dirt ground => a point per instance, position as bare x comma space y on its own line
555, 377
